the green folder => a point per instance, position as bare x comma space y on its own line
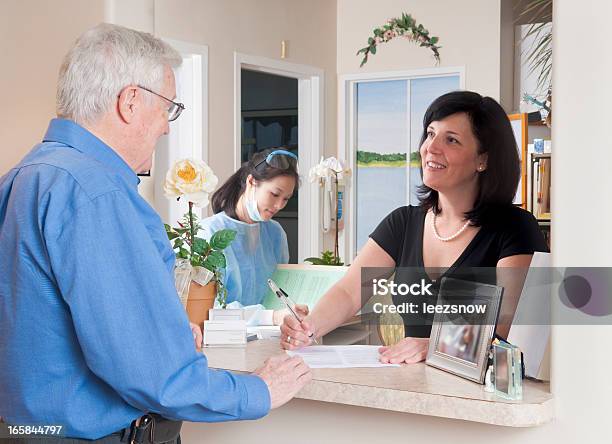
305, 284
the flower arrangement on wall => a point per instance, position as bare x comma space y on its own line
405, 27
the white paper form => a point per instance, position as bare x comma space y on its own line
340, 356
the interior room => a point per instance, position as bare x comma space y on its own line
259, 74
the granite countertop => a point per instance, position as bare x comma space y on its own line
416, 388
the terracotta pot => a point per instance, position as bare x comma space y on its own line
200, 300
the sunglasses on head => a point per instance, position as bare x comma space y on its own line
281, 159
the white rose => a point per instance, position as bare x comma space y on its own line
191, 179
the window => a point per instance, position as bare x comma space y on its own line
386, 120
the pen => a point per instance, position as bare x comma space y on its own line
280, 293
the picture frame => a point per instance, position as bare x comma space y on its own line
459, 343
519, 125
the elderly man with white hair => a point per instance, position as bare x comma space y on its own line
93, 337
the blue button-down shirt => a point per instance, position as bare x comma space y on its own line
92, 332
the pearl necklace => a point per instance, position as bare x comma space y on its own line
449, 238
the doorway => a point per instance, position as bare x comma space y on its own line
269, 110
266, 127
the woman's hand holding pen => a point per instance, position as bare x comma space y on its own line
295, 334
279, 315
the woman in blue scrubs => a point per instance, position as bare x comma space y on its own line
246, 203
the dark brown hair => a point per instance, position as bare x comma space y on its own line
491, 127
227, 196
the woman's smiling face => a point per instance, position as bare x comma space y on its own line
449, 154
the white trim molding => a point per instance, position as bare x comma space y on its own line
188, 135
311, 134
347, 135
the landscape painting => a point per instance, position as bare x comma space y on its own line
389, 125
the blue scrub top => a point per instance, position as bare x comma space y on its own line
251, 258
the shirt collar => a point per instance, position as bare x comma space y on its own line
72, 134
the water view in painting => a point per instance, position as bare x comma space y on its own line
389, 122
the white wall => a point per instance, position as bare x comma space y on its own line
255, 28
34, 37
582, 211
469, 32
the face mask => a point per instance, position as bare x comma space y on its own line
251, 207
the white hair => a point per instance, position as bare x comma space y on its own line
103, 61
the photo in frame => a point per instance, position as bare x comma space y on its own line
460, 341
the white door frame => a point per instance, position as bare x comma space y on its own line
188, 135
311, 133
347, 135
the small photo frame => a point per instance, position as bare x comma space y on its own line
463, 327
507, 365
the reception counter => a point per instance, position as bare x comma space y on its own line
416, 389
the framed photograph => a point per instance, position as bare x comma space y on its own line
463, 327
519, 128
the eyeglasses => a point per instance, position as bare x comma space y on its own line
174, 110
281, 159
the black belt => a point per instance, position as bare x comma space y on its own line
151, 429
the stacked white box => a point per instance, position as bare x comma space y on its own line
225, 333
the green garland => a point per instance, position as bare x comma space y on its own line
404, 26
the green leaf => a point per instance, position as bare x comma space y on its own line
200, 245
378, 32
221, 239
314, 261
215, 260
183, 253
172, 235
195, 262
433, 40
373, 50
178, 243
370, 40
181, 230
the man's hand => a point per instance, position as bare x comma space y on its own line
197, 335
285, 376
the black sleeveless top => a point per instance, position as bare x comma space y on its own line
506, 231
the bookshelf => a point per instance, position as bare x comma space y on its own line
540, 181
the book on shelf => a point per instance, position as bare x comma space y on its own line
541, 188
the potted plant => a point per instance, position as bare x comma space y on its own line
329, 174
199, 263
538, 14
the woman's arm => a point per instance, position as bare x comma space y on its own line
343, 300
511, 274
340, 303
